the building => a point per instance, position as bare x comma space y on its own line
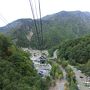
41, 65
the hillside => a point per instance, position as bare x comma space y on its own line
77, 52
16, 69
56, 28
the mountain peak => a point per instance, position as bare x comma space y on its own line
56, 27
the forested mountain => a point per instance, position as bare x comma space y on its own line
16, 69
77, 51
57, 27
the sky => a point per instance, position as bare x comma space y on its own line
11, 10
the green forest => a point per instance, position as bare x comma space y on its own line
66, 32
77, 52
16, 69
56, 28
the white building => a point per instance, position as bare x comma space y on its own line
40, 62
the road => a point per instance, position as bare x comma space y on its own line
59, 83
78, 74
54, 55
61, 87
80, 81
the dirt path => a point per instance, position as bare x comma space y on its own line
80, 81
60, 83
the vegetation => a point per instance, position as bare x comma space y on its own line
51, 50
85, 68
66, 86
56, 28
71, 83
16, 69
71, 79
64, 63
77, 52
56, 73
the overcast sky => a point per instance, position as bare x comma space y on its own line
15, 9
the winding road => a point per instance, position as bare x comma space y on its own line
78, 74
54, 55
80, 81
59, 83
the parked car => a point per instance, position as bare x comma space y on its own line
81, 76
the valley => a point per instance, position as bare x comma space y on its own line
60, 84
57, 28
55, 58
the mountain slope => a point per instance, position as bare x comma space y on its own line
16, 69
56, 28
77, 52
